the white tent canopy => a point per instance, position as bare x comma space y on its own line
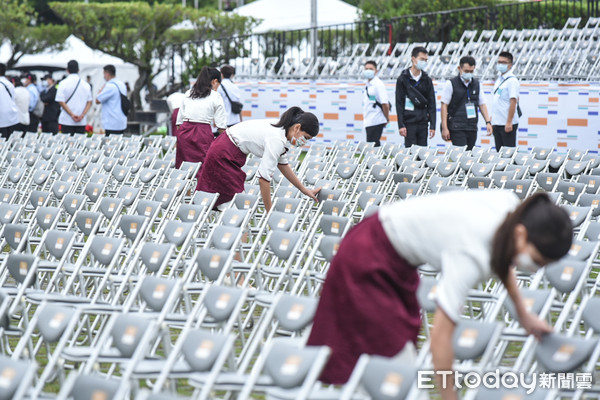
287, 15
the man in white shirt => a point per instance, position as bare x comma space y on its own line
114, 120
505, 106
376, 106
29, 81
230, 93
9, 115
461, 101
75, 98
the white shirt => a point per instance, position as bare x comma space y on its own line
77, 101
374, 115
206, 110
22, 99
416, 78
175, 100
259, 137
448, 90
9, 113
235, 94
113, 117
509, 89
452, 232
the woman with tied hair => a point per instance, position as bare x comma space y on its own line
368, 303
201, 107
268, 139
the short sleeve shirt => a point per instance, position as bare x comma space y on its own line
372, 113
260, 138
78, 97
507, 87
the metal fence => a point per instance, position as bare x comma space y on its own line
268, 52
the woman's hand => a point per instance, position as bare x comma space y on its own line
534, 325
312, 193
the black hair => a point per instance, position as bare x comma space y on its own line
16, 82
228, 71
373, 63
467, 60
506, 54
2, 69
73, 67
295, 115
418, 50
112, 71
549, 229
203, 84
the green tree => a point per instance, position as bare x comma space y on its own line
394, 8
139, 33
18, 28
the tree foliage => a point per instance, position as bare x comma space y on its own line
142, 34
394, 8
18, 28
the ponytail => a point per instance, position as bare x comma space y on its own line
295, 115
203, 84
549, 229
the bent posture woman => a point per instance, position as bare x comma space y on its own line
268, 139
369, 304
201, 107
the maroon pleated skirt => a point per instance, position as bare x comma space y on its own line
222, 170
193, 142
174, 122
368, 303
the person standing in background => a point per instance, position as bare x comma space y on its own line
29, 81
22, 99
114, 120
415, 101
75, 98
9, 113
376, 107
461, 100
51, 107
505, 106
174, 102
231, 94
201, 107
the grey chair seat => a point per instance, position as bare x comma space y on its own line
153, 368
563, 354
229, 380
83, 353
39, 296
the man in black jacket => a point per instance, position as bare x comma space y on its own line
51, 107
415, 101
461, 101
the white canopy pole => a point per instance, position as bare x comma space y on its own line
313, 26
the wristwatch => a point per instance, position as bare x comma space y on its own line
488, 122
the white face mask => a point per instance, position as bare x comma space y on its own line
525, 263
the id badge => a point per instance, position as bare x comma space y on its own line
372, 98
408, 105
471, 113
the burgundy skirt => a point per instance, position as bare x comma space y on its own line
368, 303
193, 141
174, 122
222, 170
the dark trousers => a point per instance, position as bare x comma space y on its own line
374, 133
50, 126
109, 132
416, 134
463, 138
20, 128
6, 131
505, 139
72, 129
34, 121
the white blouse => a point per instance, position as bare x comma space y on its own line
206, 110
262, 139
452, 232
